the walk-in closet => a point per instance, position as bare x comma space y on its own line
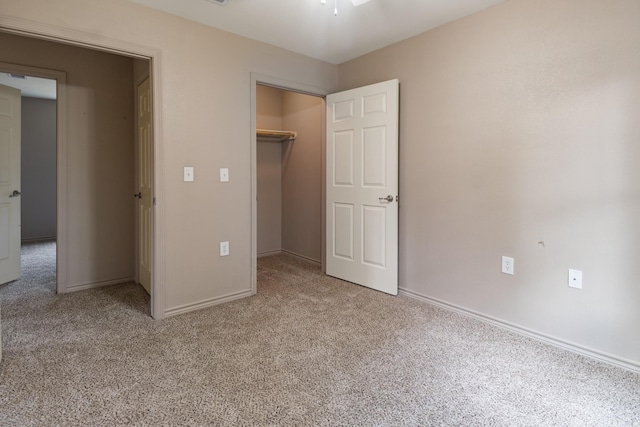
289, 173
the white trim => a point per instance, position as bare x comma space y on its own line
278, 83
99, 42
93, 285
257, 78
302, 257
209, 302
290, 253
269, 253
41, 239
56, 34
538, 336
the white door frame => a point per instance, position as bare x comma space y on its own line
261, 79
83, 39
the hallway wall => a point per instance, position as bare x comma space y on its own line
269, 171
302, 175
38, 169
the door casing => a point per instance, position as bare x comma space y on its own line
120, 47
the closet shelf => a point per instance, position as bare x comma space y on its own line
282, 135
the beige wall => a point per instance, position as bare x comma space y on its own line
203, 80
269, 171
38, 169
140, 70
518, 125
302, 175
99, 147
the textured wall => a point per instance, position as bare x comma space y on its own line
520, 124
290, 173
269, 171
302, 175
38, 185
203, 83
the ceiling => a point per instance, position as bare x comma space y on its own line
34, 87
309, 28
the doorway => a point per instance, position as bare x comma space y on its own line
41, 131
98, 177
360, 221
38, 174
288, 171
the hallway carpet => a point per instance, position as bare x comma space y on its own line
307, 350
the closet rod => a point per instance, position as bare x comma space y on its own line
283, 135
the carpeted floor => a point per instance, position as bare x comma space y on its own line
308, 350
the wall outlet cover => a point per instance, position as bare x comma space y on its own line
508, 265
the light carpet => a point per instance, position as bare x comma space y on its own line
307, 350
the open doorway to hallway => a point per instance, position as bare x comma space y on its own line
96, 158
36, 164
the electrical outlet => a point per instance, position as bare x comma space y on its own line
224, 248
507, 265
575, 279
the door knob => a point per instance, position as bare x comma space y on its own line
389, 198
15, 193
138, 195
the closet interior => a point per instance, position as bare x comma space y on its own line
289, 173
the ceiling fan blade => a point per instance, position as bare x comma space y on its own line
358, 2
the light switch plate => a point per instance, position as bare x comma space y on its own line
188, 174
224, 175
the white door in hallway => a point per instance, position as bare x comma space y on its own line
10, 105
144, 195
362, 186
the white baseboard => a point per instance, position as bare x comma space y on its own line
206, 303
39, 239
557, 342
293, 254
93, 285
302, 257
269, 253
